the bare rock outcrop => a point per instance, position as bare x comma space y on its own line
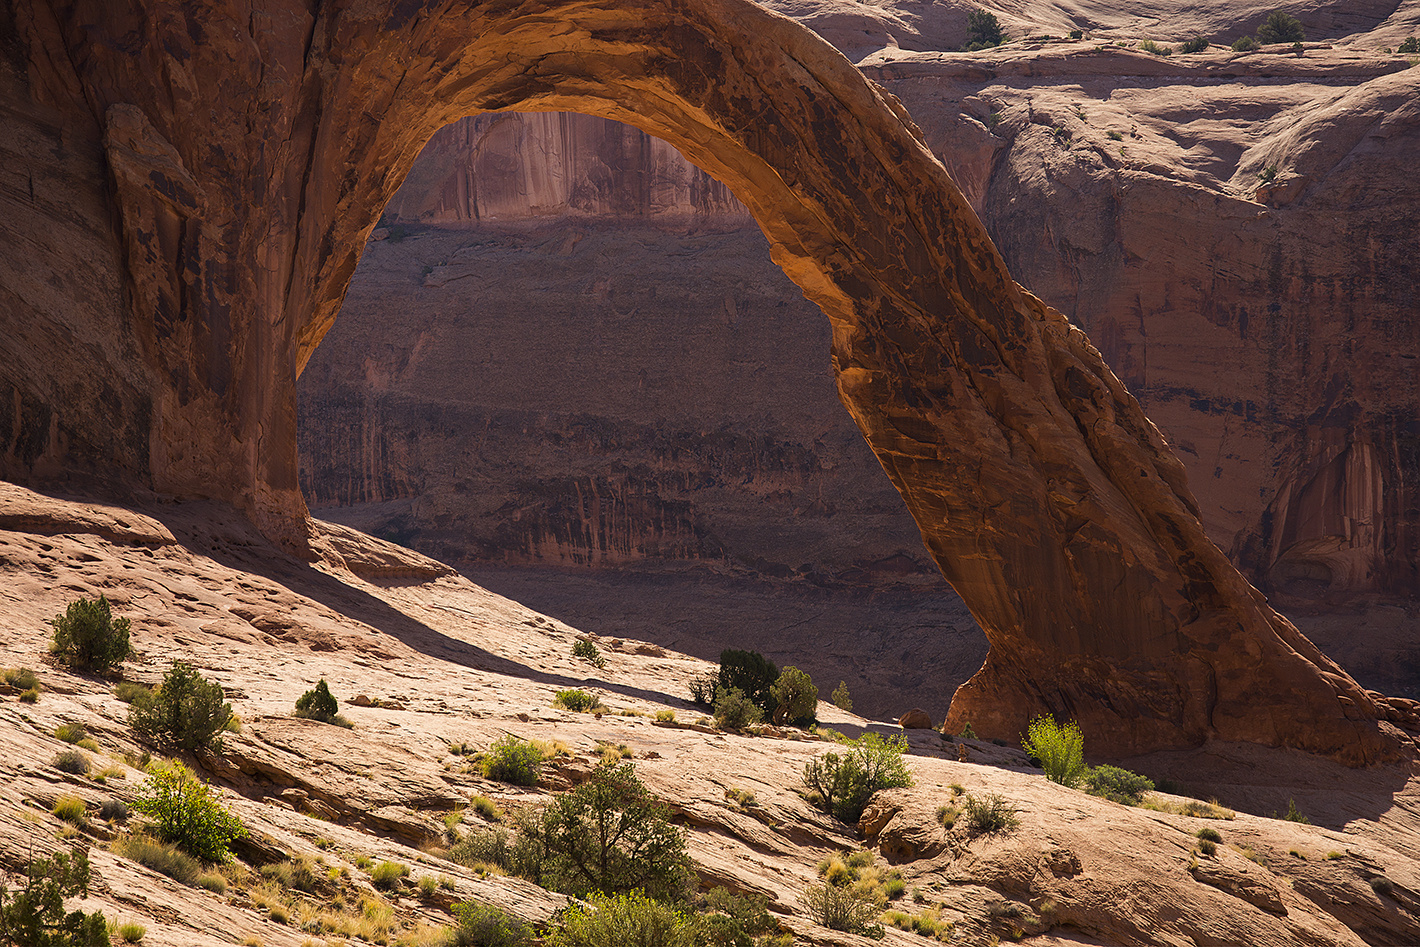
1046, 496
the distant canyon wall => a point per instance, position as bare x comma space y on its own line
1271, 330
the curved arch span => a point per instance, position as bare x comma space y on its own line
251, 154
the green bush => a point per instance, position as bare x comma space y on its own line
71, 809
1280, 27
482, 925
610, 835
131, 932
630, 919
1149, 46
34, 915
752, 673
795, 698
1409, 47
1210, 835
72, 762
71, 732
1245, 44
318, 703
843, 784
1060, 748
734, 710
576, 700
113, 810
22, 679
844, 909
129, 691
30, 696
983, 30
87, 638
388, 875
1293, 814
989, 814
187, 812
734, 920
584, 649
840, 697
162, 857
1195, 45
1118, 785
513, 760
187, 712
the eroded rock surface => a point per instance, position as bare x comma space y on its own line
447, 666
1047, 498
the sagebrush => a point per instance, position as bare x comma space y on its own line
88, 638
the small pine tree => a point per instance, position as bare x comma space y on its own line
795, 698
983, 30
34, 916
87, 638
318, 703
750, 672
1280, 27
186, 712
840, 697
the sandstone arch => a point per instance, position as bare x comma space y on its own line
250, 152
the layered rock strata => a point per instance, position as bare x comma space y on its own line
1044, 494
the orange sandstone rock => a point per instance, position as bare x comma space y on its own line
249, 154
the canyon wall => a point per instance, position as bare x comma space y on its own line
1269, 329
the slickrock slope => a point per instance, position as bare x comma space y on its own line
1045, 495
443, 662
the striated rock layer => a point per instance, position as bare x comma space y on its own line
249, 156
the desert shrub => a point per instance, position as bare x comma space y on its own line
318, 703
983, 30
131, 932
387, 875
129, 691
1245, 44
702, 690
1409, 47
576, 700
1149, 46
584, 649
1060, 748
212, 881
665, 716
186, 712
894, 888
114, 810
734, 920
752, 673
1209, 835
88, 638
71, 732
843, 909
988, 814
842, 784
1382, 885
1207, 847
513, 760
188, 813
71, 809
72, 762
840, 697
1280, 27
294, 874
1293, 814
33, 916
21, 679
1118, 785
610, 835
795, 698
486, 807
1195, 45
30, 696
734, 710
163, 857
482, 925
629, 919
